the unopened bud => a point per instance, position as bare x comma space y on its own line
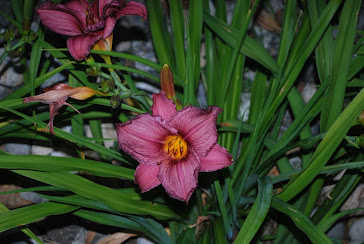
115, 101
360, 140
93, 71
33, 36
9, 35
26, 27
167, 83
111, 84
104, 87
17, 52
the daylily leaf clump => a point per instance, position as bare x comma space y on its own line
172, 147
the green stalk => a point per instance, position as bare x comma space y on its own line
340, 64
161, 38
195, 30
234, 56
178, 28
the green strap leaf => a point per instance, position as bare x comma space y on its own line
301, 221
326, 148
117, 200
26, 215
56, 164
258, 212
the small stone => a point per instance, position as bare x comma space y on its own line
353, 201
142, 240
337, 231
18, 149
41, 150
356, 231
32, 197
69, 234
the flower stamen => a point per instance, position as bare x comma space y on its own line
175, 147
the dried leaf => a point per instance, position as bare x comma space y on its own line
268, 21
14, 200
116, 238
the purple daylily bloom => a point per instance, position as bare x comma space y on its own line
172, 146
87, 23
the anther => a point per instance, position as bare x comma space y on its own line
175, 147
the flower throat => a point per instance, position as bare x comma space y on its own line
175, 147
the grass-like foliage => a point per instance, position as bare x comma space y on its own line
203, 47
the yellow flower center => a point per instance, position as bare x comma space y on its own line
175, 147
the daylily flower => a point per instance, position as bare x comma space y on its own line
87, 24
172, 146
56, 97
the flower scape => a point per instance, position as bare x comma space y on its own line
172, 147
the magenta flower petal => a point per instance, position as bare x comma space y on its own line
133, 8
109, 27
79, 46
62, 20
162, 106
78, 5
107, 7
197, 127
80, 18
216, 159
146, 176
143, 137
179, 179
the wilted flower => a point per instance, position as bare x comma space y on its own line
172, 146
87, 24
56, 97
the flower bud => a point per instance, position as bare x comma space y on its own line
26, 27
111, 84
17, 52
167, 83
93, 71
115, 101
360, 140
9, 35
104, 87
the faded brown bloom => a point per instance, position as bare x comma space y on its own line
56, 97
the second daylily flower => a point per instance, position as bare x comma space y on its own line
172, 146
87, 24
56, 97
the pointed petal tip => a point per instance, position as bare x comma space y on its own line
133, 8
180, 179
79, 46
162, 106
218, 158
